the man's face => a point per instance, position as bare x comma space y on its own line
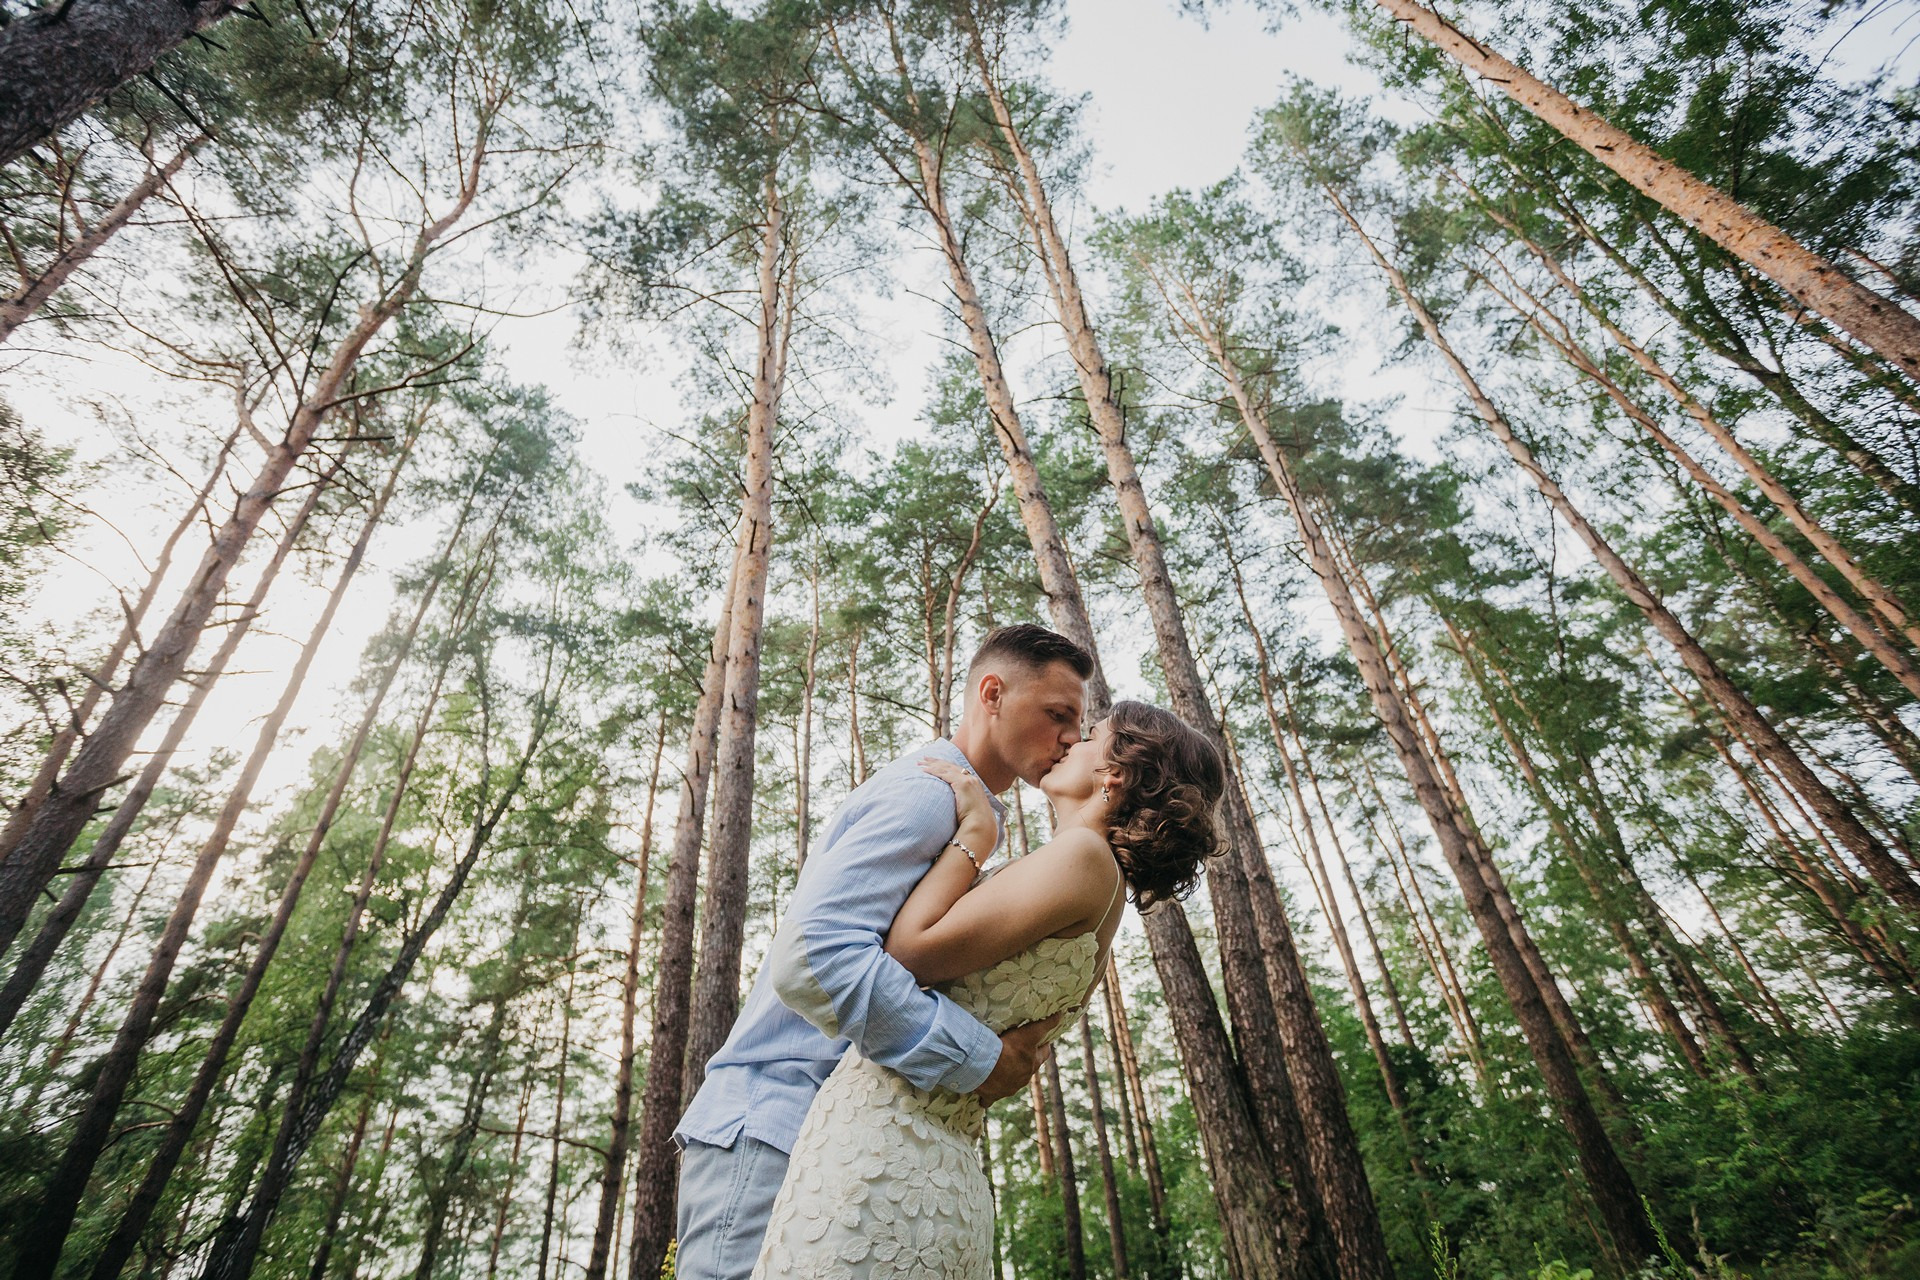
1039, 717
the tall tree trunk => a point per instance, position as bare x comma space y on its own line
1264, 1216
856, 745
803, 752
1317, 1107
993, 1199
723, 918
40, 1254
237, 1243
21, 305
99, 762
59, 60
60, 1048
950, 614
101, 677
1387, 983
1883, 649
349, 1160
1075, 1240
1721, 338
1891, 876
460, 1147
186, 1115
1042, 1127
1426, 933
358, 1241
1607, 1178
1659, 1002
1109, 1182
1336, 923
616, 1162
1870, 589
559, 1108
498, 1239
1760, 986
54, 924
1136, 1090
1876, 322
655, 1192
1123, 1099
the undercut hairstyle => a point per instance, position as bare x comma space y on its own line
1166, 825
1031, 648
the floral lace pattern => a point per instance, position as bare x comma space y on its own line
885, 1179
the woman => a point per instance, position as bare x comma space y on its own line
885, 1179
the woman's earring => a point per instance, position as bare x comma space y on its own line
1105, 792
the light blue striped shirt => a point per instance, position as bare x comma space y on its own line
827, 982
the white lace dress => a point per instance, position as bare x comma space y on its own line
885, 1179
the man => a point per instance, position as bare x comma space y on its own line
828, 981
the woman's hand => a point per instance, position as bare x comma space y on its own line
972, 807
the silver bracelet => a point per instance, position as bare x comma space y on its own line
972, 857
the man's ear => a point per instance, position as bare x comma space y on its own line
989, 690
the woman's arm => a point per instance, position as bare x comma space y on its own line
950, 931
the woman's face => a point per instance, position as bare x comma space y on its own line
1079, 776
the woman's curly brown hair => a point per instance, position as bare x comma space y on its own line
1172, 780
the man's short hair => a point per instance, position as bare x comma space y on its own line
1031, 648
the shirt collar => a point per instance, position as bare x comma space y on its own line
947, 748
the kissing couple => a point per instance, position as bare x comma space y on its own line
837, 1133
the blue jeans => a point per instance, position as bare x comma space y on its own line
726, 1196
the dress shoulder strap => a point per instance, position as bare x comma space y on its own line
1122, 884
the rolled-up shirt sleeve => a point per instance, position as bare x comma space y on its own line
828, 962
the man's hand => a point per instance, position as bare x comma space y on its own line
1020, 1049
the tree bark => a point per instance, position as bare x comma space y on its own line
1109, 1182
1876, 322
1076, 1245
58, 61
616, 1161
655, 1191
723, 919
